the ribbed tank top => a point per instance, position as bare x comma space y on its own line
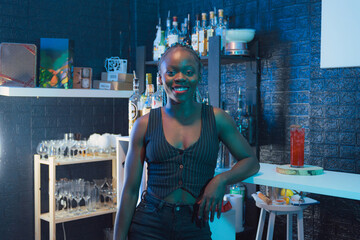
170, 168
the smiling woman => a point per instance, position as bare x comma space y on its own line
180, 144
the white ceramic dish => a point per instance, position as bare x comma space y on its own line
240, 35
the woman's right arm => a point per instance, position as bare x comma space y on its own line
133, 173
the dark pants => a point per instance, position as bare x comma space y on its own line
157, 219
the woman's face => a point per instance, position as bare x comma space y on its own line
180, 75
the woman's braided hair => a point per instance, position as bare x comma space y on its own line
185, 47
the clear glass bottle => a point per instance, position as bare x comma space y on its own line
187, 38
220, 29
195, 34
211, 28
146, 97
203, 36
239, 110
252, 125
134, 101
162, 45
157, 42
168, 29
174, 33
157, 98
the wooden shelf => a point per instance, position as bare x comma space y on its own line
58, 92
71, 217
225, 59
78, 161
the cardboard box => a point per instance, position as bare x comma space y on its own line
82, 77
116, 77
56, 63
107, 85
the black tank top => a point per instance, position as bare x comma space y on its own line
170, 168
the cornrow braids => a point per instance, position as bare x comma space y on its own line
183, 46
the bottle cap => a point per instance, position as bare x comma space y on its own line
203, 16
174, 18
221, 13
148, 78
212, 14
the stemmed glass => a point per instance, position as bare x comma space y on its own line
79, 193
42, 149
110, 192
88, 187
52, 148
58, 195
82, 148
99, 184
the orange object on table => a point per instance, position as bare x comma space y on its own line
297, 139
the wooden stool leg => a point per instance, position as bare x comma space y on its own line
270, 231
300, 225
260, 228
289, 218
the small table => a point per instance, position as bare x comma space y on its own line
331, 183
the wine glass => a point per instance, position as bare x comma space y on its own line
87, 193
51, 148
79, 193
99, 184
82, 148
42, 149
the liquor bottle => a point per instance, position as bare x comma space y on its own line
182, 32
157, 97
157, 42
210, 28
195, 34
245, 123
187, 39
252, 125
239, 111
145, 101
203, 36
168, 29
220, 29
162, 45
174, 33
134, 101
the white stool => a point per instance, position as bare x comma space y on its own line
274, 210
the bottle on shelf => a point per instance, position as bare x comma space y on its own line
239, 110
134, 101
195, 34
211, 28
157, 97
220, 29
162, 45
157, 42
174, 33
203, 36
187, 35
252, 125
245, 123
182, 32
168, 29
145, 101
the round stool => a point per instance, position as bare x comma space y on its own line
274, 210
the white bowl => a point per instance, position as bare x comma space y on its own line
240, 35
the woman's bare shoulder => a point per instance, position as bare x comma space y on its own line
139, 129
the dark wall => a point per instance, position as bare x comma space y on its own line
95, 27
294, 90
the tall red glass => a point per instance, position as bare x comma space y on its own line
297, 139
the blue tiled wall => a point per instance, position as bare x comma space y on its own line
294, 90
24, 121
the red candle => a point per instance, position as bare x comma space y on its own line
297, 138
